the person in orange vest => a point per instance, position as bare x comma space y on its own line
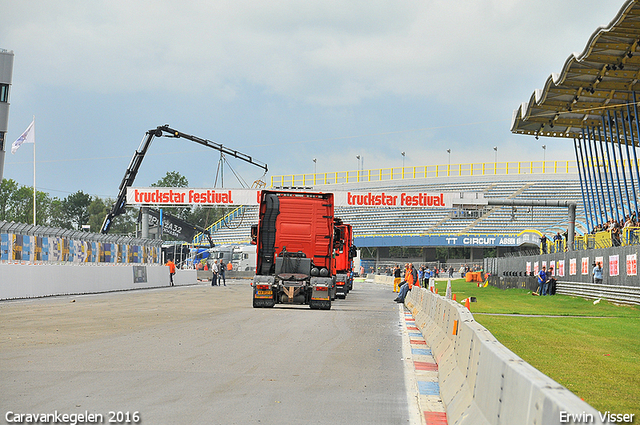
172, 271
411, 278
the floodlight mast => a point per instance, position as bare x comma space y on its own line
118, 207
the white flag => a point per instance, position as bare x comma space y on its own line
29, 136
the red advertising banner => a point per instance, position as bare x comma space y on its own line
188, 196
585, 265
561, 268
614, 265
632, 264
573, 266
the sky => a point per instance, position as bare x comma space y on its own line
283, 81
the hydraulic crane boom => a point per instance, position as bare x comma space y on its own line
118, 207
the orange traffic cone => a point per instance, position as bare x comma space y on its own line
466, 304
454, 297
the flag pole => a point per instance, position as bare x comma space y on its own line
34, 173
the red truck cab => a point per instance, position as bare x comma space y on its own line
294, 238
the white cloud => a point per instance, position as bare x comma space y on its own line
324, 52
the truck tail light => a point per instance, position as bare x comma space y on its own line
321, 288
263, 287
340, 283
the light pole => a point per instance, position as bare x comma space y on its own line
544, 156
449, 152
495, 148
402, 153
315, 160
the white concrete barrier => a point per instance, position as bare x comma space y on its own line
42, 280
481, 381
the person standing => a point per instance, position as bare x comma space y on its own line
172, 271
214, 268
396, 278
223, 269
597, 274
427, 278
543, 244
542, 281
421, 276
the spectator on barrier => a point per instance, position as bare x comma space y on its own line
172, 271
542, 281
597, 273
410, 277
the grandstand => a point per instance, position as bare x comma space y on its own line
550, 183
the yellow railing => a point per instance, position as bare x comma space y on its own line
628, 236
426, 172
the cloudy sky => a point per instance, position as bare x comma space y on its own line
284, 81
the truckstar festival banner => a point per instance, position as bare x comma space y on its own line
187, 196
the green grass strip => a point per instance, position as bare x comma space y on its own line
593, 350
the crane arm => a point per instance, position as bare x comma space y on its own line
130, 174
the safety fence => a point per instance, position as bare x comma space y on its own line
619, 265
481, 381
427, 171
24, 243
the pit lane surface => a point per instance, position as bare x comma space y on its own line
202, 354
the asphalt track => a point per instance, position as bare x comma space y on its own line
202, 354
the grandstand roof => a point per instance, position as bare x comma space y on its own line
604, 75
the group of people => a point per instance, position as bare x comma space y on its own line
219, 270
546, 282
559, 242
615, 227
403, 283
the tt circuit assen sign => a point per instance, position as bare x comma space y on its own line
217, 197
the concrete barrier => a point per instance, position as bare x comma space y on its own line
42, 280
481, 381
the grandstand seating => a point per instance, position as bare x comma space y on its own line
367, 221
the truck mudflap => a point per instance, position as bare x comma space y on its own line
341, 285
264, 293
321, 293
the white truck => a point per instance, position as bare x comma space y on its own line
244, 258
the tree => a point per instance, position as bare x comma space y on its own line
76, 208
58, 216
175, 179
172, 179
97, 212
8, 187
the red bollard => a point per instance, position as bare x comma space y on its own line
466, 304
454, 297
